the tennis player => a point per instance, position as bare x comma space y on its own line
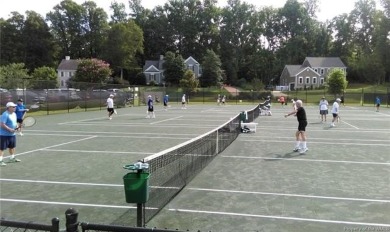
323, 109
300, 135
20, 113
183, 102
335, 111
7, 133
166, 99
150, 111
110, 106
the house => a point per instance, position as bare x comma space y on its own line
154, 71
66, 69
311, 74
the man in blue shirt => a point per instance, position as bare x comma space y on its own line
377, 103
20, 113
8, 127
150, 112
166, 99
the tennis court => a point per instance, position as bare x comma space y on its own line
256, 184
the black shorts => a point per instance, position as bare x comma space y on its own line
19, 120
150, 109
377, 105
302, 125
111, 110
335, 115
7, 142
323, 112
165, 104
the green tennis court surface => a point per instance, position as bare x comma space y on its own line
256, 184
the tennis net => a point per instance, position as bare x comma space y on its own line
172, 169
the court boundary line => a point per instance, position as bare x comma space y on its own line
169, 119
66, 203
57, 145
279, 217
89, 151
314, 142
206, 189
306, 160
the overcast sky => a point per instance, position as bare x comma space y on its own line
328, 8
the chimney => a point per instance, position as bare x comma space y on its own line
67, 57
161, 57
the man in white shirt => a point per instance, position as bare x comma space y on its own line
110, 106
335, 111
323, 109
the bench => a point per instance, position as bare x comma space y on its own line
250, 125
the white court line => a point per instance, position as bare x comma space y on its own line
324, 139
290, 195
311, 142
280, 217
109, 132
334, 129
67, 203
169, 119
61, 144
118, 136
306, 160
102, 152
350, 124
207, 190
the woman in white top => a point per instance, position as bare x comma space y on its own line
323, 109
110, 106
335, 111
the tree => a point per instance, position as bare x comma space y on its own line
211, 70
336, 81
124, 41
12, 76
174, 68
12, 42
189, 81
92, 71
119, 13
66, 22
40, 49
43, 78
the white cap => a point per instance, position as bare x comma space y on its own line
338, 99
149, 96
111, 95
10, 104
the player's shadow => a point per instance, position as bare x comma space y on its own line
279, 157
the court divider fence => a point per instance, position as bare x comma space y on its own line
72, 225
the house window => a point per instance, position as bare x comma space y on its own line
316, 70
62, 83
191, 67
322, 81
322, 71
300, 80
307, 80
62, 74
314, 80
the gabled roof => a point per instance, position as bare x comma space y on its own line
152, 68
325, 62
293, 69
68, 65
191, 58
309, 69
156, 63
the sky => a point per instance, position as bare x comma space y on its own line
328, 8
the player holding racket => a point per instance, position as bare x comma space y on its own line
20, 114
110, 106
300, 135
8, 127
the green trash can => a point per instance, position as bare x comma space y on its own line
136, 187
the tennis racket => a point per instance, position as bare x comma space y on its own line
28, 121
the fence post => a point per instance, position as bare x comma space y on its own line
55, 222
71, 220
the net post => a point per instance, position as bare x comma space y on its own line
217, 141
140, 214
